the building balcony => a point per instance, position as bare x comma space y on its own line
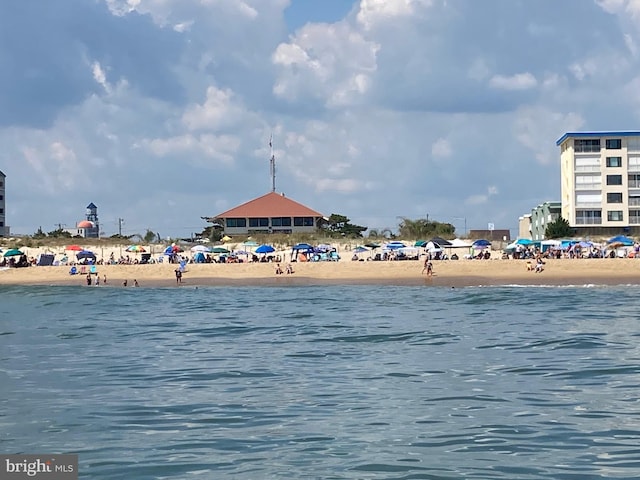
587, 169
586, 149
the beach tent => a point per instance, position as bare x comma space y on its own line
623, 240
459, 243
199, 257
524, 241
432, 247
441, 241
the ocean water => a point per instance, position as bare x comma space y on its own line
337, 382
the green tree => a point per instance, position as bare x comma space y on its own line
149, 236
59, 233
559, 228
339, 225
423, 228
39, 233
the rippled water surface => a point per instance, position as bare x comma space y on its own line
344, 382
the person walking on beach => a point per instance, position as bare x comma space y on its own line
428, 266
178, 276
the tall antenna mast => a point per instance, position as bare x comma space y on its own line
272, 165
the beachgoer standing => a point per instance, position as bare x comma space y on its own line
124, 284
135, 283
104, 280
178, 276
88, 279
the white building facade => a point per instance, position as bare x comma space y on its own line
4, 228
600, 175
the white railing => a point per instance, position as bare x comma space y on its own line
588, 186
587, 168
588, 204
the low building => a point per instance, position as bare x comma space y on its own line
270, 213
502, 235
4, 228
89, 227
524, 226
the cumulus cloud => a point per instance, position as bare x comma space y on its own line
519, 81
331, 63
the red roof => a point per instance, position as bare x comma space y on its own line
270, 205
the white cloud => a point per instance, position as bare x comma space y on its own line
217, 111
519, 81
441, 148
373, 12
480, 199
100, 77
332, 63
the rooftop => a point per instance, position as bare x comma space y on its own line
270, 205
614, 133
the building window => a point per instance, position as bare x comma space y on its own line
614, 179
614, 161
634, 180
614, 216
236, 222
1, 224
258, 222
588, 217
1, 210
303, 221
614, 197
634, 201
614, 144
586, 146
281, 221
634, 217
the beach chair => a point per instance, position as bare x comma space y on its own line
93, 270
73, 271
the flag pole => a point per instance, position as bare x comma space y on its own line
272, 165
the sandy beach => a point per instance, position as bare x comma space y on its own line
450, 273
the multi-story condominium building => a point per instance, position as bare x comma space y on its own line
600, 174
4, 228
543, 215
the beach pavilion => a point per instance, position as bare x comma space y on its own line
270, 213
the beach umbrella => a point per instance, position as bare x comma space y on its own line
481, 244
13, 252
372, 245
219, 250
85, 254
420, 243
265, 249
200, 248
75, 248
135, 249
250, 243
171, 249
360, 249
524, 241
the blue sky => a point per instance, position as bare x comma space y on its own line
160, 111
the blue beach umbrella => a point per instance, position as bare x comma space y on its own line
265, 249
481, 243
